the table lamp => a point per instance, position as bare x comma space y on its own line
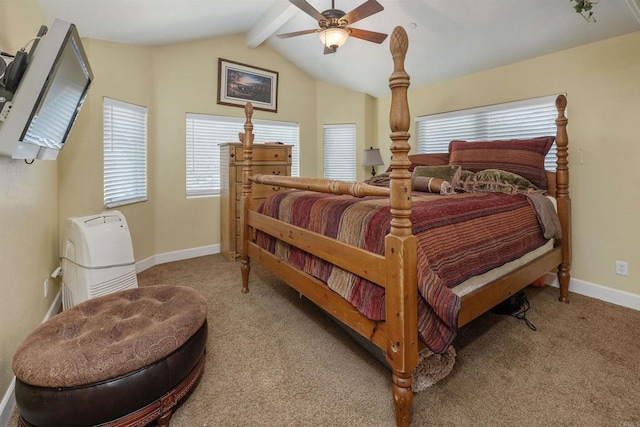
372, 158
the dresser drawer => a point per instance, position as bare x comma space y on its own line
270, 153
263, 170
260, 191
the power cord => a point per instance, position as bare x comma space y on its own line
522, 315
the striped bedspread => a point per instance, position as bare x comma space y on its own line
458, 237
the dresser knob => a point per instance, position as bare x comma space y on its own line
275, 172
232, 155
275, 188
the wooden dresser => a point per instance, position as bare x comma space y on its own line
268, 159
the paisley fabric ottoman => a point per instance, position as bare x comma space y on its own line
124, 359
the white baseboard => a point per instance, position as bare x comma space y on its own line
582, 287
176, 256
8, 403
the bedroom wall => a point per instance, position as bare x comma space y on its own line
352, 107
28, 217
120, 72
185, 80
601, 83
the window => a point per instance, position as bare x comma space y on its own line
125, 153
205, 133
340, 152
517, 120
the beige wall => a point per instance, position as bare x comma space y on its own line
28, 217
603, 92
185, 81
120, 72
337, 105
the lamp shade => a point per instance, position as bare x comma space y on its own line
334, 37
372, 157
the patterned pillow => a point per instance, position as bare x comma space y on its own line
495, 180
524, 157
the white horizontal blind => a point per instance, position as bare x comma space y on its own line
125, 153
513, 120
205, 134
340, 152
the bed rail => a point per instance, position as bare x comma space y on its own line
356, 189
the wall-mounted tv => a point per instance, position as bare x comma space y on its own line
37, 120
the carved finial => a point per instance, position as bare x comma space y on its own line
248, 110
399, 41
561, 102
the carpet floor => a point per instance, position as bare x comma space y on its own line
274, 359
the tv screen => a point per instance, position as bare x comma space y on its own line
46, 102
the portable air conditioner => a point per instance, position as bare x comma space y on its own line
97, 257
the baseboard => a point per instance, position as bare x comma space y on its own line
8, 403
176, 256
582, 287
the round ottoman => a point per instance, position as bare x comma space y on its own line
123, 359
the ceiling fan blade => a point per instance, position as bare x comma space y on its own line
308, 9
328, 49
297, 33
367, 8
370, 36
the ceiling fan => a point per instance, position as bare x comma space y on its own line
334, 24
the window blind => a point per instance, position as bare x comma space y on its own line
205, 134
513, 120
125, 153
340, 152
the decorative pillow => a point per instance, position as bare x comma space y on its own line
495, 180
524, 157
381, 180
448, 173
427, 184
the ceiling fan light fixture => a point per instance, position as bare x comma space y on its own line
331, 37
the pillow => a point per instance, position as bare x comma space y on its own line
435, 179
505, 177
381, 180
495, 180
431, 159
524, 157
431, 185
446, 172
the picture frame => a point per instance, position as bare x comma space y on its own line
241, 83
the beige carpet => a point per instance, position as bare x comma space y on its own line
275, 360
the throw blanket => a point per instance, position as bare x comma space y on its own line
457, 237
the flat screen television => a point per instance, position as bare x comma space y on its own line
36, 122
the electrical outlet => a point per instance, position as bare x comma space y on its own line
46, 287
622, 268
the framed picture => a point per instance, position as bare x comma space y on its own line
239, 83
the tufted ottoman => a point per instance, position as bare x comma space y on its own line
123, 359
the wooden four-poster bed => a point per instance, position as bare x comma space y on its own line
393, 264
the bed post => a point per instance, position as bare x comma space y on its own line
246, 200
562, 197
401, 270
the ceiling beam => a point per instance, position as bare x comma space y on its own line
634, 5
274, 18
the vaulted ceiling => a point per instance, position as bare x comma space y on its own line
448, 38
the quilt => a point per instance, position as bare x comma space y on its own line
458, 237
